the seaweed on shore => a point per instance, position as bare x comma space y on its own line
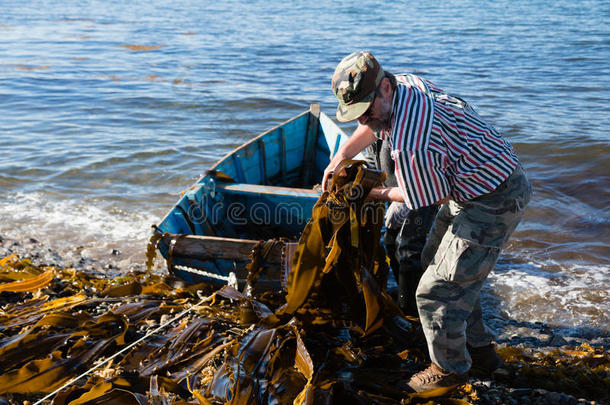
333, 337
51, 334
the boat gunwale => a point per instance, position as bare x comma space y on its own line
265, 189
255, 139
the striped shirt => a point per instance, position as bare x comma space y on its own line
441, 147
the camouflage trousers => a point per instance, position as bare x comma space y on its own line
462, 249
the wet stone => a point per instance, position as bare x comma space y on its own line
520, 392
554, 397
556, 340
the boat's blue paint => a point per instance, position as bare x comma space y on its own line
293, 132
271, 193
262, 161
282, 154
238, 169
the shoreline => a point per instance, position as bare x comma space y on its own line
533, 341
507, 331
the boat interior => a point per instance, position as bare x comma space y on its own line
265, 188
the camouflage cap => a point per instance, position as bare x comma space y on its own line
354, 83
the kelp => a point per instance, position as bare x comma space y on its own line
46, 343
140, 48
333, 337
582, 371
211, 356
29, 285
340, 251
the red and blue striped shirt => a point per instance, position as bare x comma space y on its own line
441, 147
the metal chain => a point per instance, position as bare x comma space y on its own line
231, 279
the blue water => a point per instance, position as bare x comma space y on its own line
109, 109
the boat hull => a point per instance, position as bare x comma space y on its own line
262, 190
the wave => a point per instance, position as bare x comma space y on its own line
96, 229
572, 297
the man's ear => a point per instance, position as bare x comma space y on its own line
386, 86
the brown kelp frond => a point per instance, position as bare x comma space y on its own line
141, 48
58, 327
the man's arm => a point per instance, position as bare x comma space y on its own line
394, 194
360, 139
386, 194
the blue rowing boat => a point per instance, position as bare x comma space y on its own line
264, 189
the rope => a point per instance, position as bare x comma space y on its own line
72, 381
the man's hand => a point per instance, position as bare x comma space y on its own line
328, 172
360, 139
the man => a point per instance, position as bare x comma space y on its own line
405, 231
444, 154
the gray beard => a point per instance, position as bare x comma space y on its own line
378, 125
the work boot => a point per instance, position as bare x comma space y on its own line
435, 377
485, 360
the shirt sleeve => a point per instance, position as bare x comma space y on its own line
421, 177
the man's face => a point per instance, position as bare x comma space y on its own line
377, 117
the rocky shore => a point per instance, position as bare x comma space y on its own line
544, 365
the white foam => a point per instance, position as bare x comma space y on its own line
66, 224
575, 296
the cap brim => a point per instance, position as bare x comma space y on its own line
346, 113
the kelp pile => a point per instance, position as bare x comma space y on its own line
57, 324
333, 337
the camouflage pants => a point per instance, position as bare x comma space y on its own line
462, 249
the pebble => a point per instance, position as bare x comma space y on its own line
502, 373
556, 340
493, 391
520, 392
